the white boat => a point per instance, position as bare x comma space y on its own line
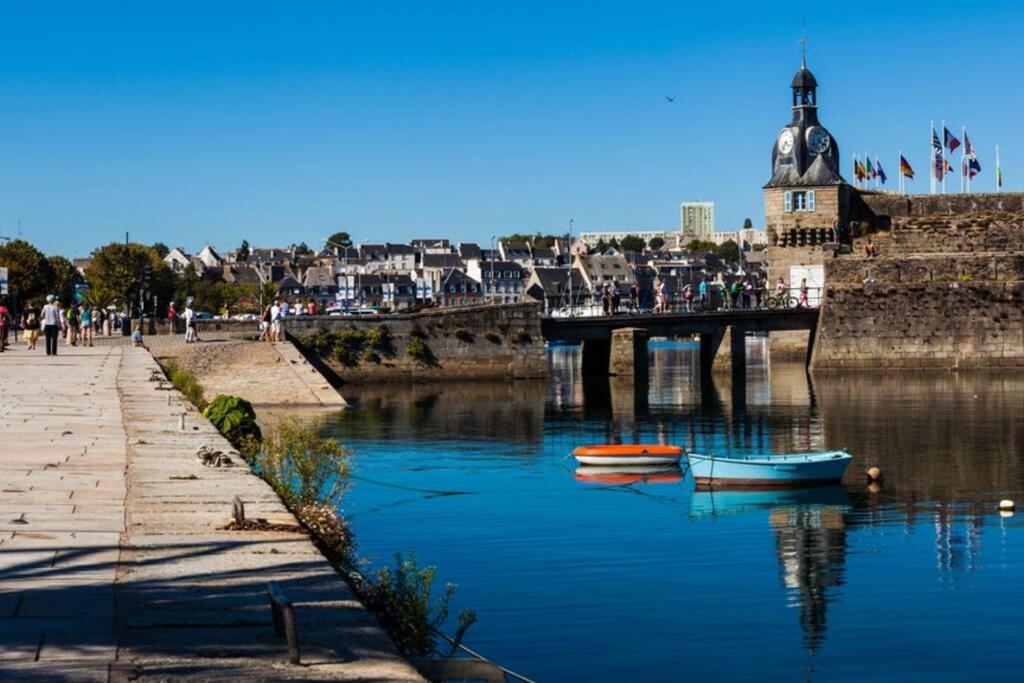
795, 469
623, 454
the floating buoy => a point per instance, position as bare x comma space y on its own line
1006, 504
874, 474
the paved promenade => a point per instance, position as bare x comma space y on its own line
112, 562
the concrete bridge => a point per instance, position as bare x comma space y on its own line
618, 344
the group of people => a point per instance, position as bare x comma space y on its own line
742, 293
611, 299
78, 323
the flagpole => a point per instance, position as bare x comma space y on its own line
942, 152
999, 172
899, 165
931, 171
963, 160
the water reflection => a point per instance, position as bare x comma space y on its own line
548, 553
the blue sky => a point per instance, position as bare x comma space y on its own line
283, 122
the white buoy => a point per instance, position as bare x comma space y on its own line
1006, 504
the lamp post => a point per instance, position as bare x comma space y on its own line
491, 300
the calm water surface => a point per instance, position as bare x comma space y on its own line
624, 578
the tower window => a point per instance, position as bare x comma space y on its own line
799, 201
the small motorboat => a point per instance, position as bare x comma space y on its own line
622, 454
795, 469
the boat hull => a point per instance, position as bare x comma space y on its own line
783, 471
628, 455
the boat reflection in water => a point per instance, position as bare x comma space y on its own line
810, 527
622, 475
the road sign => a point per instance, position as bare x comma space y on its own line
3, 281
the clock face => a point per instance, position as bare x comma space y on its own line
786, 141
817, 139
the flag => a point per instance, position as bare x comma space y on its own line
879, 172
937, 158
946, 165
905, 168
951, 142
999, 176
869, 171
968, 147
973, 167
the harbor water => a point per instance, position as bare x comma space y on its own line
626, 576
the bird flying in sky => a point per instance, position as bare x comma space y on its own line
670, 100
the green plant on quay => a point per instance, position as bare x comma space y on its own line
348, 347
303, 468
185, 382
234, 417
401, 601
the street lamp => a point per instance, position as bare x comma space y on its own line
491, 299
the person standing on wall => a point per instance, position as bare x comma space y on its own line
51, 325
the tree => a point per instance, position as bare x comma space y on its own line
702, 247
601, 246
340, 239
243, 251
747, 224
302, 249
118, 267
656, 243
633, 243
65, 277
161, 249
27, 269
728, 251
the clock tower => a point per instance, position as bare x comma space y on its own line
806, 192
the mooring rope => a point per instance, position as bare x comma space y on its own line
401, 487
507, 672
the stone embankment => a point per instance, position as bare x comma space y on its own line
115, 561
263, 373
946, 292
478, 342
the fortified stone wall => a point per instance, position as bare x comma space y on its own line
946, 292
480, 342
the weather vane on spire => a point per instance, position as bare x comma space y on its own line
803, 50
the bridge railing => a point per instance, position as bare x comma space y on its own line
716, 300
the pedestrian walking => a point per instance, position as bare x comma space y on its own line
759, 292
275, 321
745, 294
634, 296
803, 293
190, 324
172, 316
51, 319
688, 297
86, 321
5, 325
73, 324
702, 291
616, 299
265, 320
30, 323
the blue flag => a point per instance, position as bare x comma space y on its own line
879, 171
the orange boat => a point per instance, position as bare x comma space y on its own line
623, 454
629, 474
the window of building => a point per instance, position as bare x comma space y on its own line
799, 201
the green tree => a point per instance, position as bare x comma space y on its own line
118, 267
728, 251
65, 277
702, 247
27, 269
243, 251
340, 239
161, 249
633, 243
747, 224
656, 243
302, 249
601, 246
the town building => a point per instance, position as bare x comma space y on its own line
557, 288
458, 289
697, 219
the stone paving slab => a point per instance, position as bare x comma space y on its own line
114, 565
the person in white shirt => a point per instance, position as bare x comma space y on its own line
190, 324
51, 325
276, 321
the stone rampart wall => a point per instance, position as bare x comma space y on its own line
479, 342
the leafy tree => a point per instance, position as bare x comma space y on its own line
613, 243
601, 246
747, 224
728, 251
340, 239
161, 249
65, 277
27, 269
302, 249
702, 247
118, 267
243, 251
536, 240
633, 243
656, 243
99, 296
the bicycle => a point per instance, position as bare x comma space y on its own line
782, 300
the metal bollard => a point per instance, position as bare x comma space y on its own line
238, 510
284, 619
181, 422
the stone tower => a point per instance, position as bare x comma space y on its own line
806, 191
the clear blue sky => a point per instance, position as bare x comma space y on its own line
279, 122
